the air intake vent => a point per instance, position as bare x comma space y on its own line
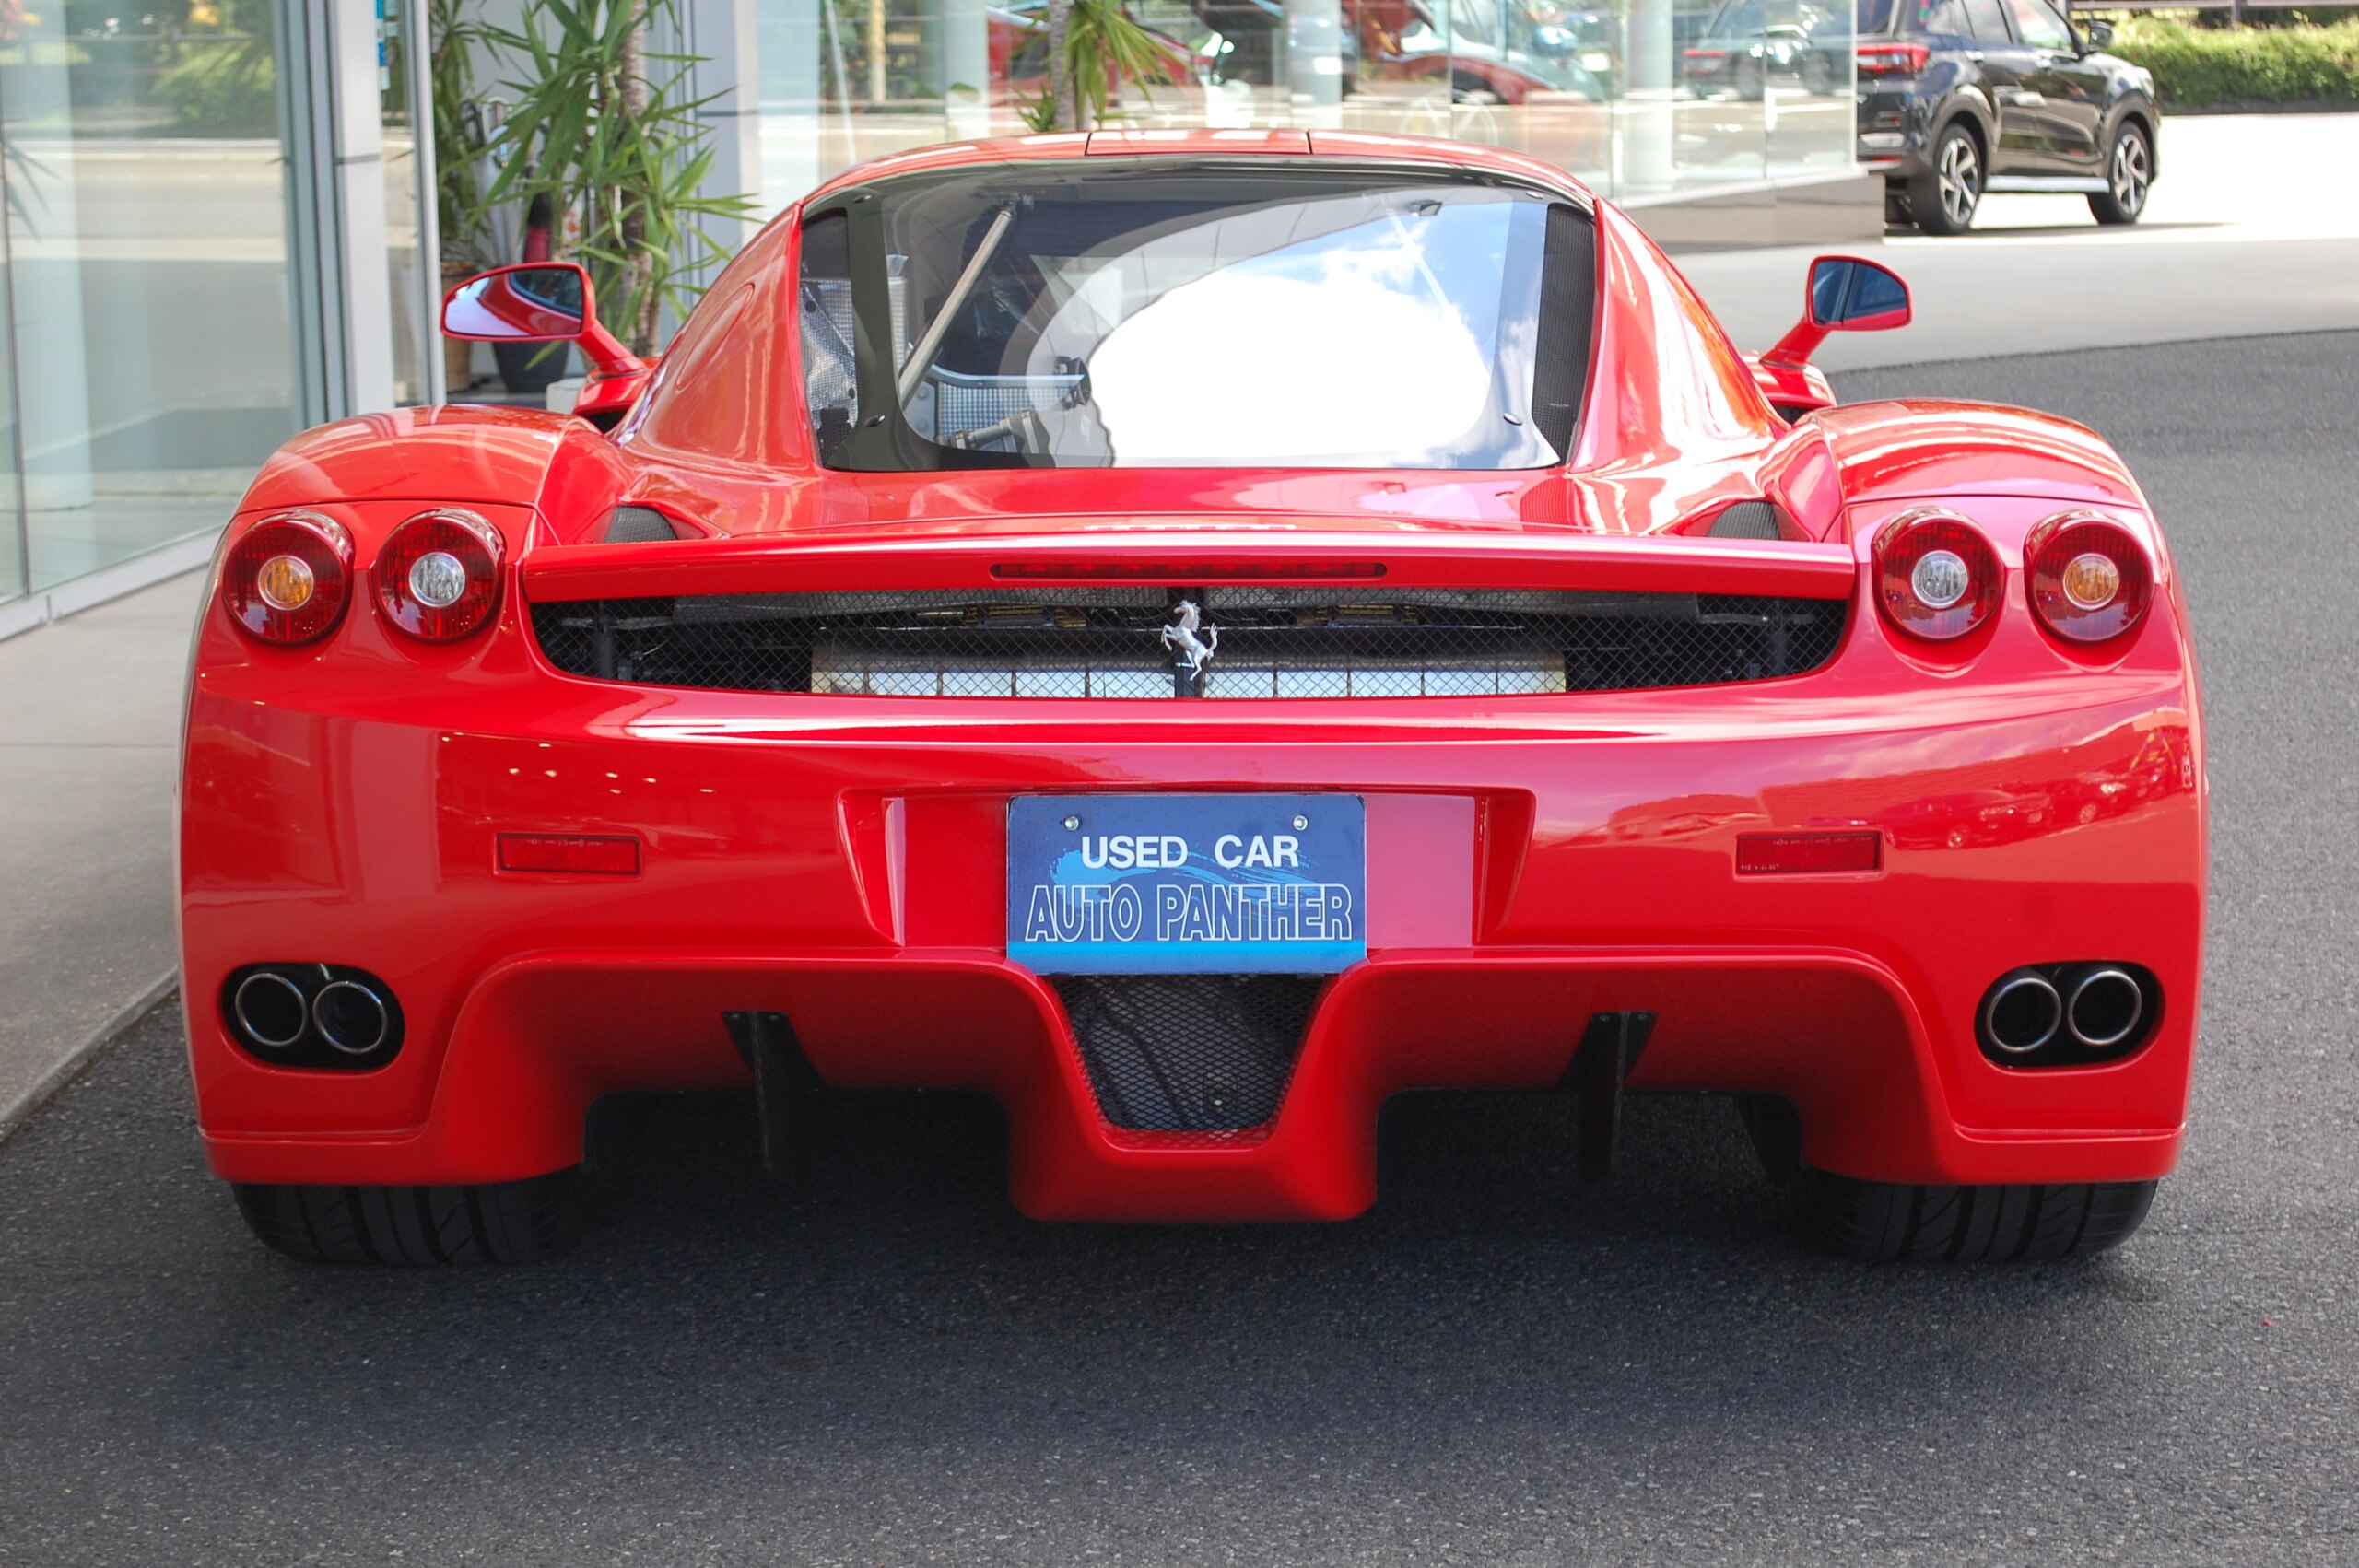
1118, 642
1189, 1053
1748, 520
638, 525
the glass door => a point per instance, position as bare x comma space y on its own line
146, 274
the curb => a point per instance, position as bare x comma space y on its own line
94, 1046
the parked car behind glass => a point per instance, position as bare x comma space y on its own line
1961, 97
1747, 44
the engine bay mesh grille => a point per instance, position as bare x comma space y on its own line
1189, 1053
1134, 643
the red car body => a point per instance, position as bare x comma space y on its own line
1532, 862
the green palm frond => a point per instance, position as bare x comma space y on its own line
608, 132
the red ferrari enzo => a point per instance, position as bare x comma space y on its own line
1190, 634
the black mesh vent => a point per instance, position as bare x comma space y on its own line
1270, 642
1747, 519
1189, 1053
638, 525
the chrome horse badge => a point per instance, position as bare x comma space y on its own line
1193, 652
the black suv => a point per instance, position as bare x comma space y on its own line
1960, 97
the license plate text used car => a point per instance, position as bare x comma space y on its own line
1141, 884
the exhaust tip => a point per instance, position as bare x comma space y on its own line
2106, 1007
270, 1010
2023, 1013
351, 1017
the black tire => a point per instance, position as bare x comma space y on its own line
508, 1221
1944, 198
1818, 75
1883, 1222
2128, 176
1747, 80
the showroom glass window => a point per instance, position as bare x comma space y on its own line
1637, 98
149, 364
1186, 315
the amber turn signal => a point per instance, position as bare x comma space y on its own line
287, 577
2088, 577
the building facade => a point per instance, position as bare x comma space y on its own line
219, 224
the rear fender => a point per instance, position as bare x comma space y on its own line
1927, 450
560, 467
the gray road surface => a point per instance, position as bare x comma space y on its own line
1491, 1367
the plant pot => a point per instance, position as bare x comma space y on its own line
531, 367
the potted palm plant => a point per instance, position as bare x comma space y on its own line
1094, 46
453, 44
605, 130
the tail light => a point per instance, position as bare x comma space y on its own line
1891, 59
2089, 578
1937, 577
438, 574
288, 578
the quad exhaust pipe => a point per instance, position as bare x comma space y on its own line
313, 1015
2065, 1015
2023, 1013
270, 1009
351, 1017
2104, 1007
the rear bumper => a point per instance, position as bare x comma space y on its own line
1533, 862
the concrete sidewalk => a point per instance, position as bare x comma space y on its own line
90, 725
2240, 239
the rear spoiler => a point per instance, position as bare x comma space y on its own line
1656, 564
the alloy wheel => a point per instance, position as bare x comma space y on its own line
1960, 180
2132, 171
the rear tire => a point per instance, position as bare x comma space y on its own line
1944, 198
1885, 1223
2128, 176
508, 1221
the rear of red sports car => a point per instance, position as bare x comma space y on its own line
1190, 646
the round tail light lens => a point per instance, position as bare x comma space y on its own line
1937, 577
288, 578
438, 575
2089, 578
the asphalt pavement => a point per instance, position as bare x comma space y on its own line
1493, 1366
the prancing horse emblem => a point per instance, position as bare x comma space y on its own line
1194, 651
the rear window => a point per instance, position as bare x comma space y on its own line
1121, 312
1874, 17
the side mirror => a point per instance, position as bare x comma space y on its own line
548, 302
2098, 35
1845, 294
1848, 295
532, 302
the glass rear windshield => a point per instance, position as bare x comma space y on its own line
1133, 314
1874, 17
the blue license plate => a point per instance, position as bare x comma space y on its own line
1164, 884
